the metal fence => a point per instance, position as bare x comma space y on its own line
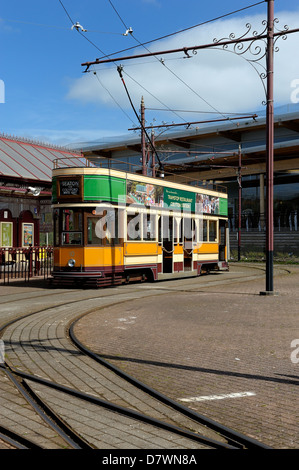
25, 263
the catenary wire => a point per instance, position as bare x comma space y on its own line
218, 112
112, 97
108, 56
186, 29
172, 72
56, 27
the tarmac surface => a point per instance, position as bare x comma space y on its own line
212, 343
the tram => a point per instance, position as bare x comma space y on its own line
113, 227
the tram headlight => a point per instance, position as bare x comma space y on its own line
71, 263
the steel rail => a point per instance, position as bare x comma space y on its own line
212, 443
235, 440
40, 407
16, 440
232, 436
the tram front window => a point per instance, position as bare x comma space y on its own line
71, 233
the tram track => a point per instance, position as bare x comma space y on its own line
21, 379
72, 439
203, 281
228, 438
76, 442
234, 439
16, 441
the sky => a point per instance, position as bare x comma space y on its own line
45, 94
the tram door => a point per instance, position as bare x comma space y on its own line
189, 231
167, 243
222, 239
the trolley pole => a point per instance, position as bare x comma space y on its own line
143, 149
269, 150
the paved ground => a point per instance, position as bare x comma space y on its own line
215, 343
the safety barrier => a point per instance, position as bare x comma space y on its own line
25, 263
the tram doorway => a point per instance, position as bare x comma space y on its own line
222, 239
167, 243
189, 231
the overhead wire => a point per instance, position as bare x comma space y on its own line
127, 28
153, 148
119, 69
100, 82
186, 29
112, 97
71, 20
143, 45
148, 42
44, 25
171, 71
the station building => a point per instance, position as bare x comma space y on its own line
25, 191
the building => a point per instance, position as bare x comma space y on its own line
25, 191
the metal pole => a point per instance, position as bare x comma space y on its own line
240, 204
189, 48
153, 154
269, 149
143, 149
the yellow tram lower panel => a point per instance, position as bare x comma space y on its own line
89, 256
142, 248
129, 254
207, 248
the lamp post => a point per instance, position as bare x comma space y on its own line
269, 150
240, 202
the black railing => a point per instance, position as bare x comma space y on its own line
25, 263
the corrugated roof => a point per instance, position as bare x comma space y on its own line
30, 160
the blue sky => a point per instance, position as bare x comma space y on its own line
49, 98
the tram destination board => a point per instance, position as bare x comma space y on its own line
70, 188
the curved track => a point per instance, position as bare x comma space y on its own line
81, 396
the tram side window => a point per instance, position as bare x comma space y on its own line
134, 226
71, 227
177, 230
159, 229
189, 232
149, 227
203, 230
189, 229
176, 222
103, 230
212, 230
56, 228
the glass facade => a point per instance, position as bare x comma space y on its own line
285, 202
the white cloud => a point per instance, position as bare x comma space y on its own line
213, 79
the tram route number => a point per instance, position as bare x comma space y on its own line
150, 459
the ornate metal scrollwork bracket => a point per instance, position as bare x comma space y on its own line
252, 48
